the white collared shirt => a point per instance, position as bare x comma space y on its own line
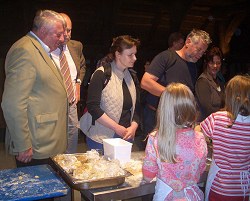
72, 67
45, 47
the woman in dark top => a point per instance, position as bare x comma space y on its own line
209, 88
112, 103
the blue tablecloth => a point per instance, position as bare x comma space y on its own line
31, 183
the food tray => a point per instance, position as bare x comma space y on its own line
80, 184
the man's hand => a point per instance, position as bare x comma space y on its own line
77, 93
25, 156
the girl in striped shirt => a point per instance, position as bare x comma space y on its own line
229, 175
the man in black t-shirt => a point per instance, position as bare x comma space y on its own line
172, 66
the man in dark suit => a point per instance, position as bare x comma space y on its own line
34, 99
77, 66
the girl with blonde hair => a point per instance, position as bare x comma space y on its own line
175, 153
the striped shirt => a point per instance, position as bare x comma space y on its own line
231, 152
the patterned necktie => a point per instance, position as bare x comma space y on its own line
64, 67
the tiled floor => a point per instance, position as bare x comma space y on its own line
7, 161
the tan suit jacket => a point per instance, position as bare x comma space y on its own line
34, 101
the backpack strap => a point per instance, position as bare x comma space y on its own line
134, 77
108, 71
107, 74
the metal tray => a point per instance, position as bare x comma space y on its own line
79, 184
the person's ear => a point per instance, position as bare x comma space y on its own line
188, 42
117, 54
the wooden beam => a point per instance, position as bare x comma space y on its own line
178, 10
226, 32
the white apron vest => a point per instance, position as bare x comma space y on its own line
214, 169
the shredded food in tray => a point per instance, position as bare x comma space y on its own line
134, 167
89, 166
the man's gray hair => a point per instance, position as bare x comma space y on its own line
196, 35
46, 18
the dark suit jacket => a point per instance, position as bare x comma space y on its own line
75, 49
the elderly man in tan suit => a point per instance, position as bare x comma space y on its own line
35, 99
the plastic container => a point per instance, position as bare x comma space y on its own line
117, 148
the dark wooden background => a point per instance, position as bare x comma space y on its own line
96, 22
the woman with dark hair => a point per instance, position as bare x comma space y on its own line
112, 103
209, 88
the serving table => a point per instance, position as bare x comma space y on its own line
125, 191
133, 187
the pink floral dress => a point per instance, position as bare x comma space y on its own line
181, 177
